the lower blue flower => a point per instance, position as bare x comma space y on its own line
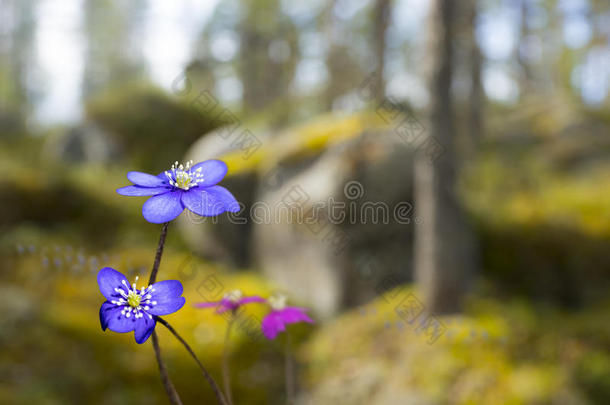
128, 308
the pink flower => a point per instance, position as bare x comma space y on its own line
230, 302
280, 316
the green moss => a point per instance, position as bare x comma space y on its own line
593, 373
543, 232
303, 140
69, 359
495, 353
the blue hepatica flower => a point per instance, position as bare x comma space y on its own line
129, 309
183, 186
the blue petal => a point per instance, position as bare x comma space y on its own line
167, 294
212, 170
144, 328
162, 176
104, 309
210, 201
108, 279
163, 208
144, 179
168, 306
137, 191
111, 318
166, 289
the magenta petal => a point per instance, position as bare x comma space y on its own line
144, 179
139, 191
248, 300
276, 321
163, 207
226, 305
294, 315
272, 325
212, 170
210, 304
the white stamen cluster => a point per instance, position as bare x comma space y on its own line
277, 302
234, 296
132, 300
181, 176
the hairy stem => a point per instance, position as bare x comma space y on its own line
172, 394
226, 377
289, 372
155, 268
219, 396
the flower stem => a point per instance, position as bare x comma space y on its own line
219, 396
172, 394
289, 372
155, 268
174, 398
226, 377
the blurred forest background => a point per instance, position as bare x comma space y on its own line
484, 126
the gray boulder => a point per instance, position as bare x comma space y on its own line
331, 227
226, 238
334, 232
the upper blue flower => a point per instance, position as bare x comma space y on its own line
183, 186
129, 309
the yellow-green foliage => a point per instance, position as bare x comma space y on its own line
495, 353
544, 231
42, 201
526, 191
53, 326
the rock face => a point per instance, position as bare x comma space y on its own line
327, 226
225, 238
331, 232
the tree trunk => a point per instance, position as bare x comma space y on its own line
381, 19
526, 72
21, 32
477, 97
329, 31
442, 253
113, 53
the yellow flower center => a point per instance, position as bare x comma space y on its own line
234, 296
183, 180
134, 299
277, 302
182, 177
